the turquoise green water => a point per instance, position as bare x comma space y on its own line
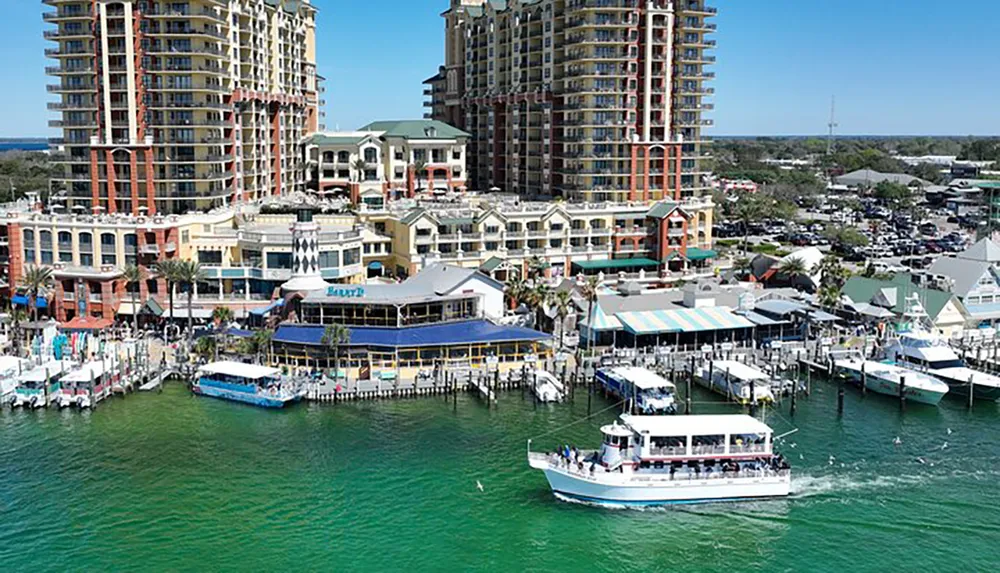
173, 482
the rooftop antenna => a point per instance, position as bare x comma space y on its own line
832, 125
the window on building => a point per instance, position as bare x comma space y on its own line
109, 249
210, 257
279, 260
371, 155
343, 157
29, 246
352, 256
329, 259
65, 247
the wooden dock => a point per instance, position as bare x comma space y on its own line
158, 380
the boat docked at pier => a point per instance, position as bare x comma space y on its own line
736, 381
657, 460
649, 392
247, 383
10, 368
39, 386
88, 384
546, 387
885, 378
916, 346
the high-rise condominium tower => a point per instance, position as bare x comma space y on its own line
168, 106
589, 99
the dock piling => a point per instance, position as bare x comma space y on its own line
902, 392
972, 390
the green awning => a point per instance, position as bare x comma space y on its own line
491, 264
614, 264
696, 254
152, 307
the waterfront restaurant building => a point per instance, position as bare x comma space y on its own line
444, 317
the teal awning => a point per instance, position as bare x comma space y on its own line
696, 254
615, 264
681, 320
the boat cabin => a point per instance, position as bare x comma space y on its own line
237, 374
651, 393
695, 437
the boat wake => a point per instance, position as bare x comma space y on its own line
805, 486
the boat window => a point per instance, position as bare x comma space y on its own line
667, 445
956, 363
746, 443
708, 444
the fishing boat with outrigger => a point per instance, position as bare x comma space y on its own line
916, 346
545, 386
649, 392
658, 460
736, 381
39, 386
247, 383
886, 378
88, 384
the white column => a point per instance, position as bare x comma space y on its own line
668, 67
647, 95
106, 72
133, 129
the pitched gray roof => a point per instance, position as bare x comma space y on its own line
985, 250
434, 282
872, 177
964, 272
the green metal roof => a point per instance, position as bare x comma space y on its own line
696, 254
491, 264
615, 263
862, 289
661, 209
321, 139
416, 129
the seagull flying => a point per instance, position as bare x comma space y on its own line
944, 446
479, 485
921, 460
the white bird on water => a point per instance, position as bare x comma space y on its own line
921, 460
949, 431
897, 441
944, 446
832, 460
479, 485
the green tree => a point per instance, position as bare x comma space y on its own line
894, 193
515, 290
536, 266
589, 292
847, 236
360, 166
793, 268
189, 273
335, 336
206, 347
561, 302
37, 280
133, 275
222, 315
419, 170
170, 271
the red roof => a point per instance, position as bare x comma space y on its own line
87, 323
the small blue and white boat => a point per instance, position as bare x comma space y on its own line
248, 383
651, 393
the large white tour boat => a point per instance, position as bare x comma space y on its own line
735, 380
248, 383
917, 347
649, 392
657, 460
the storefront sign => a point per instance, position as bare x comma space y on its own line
346, 292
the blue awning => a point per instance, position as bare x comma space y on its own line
267, 309
238, 332
375, 266
466, 332
22, 300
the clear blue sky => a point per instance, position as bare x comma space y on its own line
896, 66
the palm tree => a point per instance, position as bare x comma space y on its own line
38, 281
190, 273
742, 265
360, 165
206, 347
589, 292
515, 290
222, 315
832, 272
561, 301
334, 336
134, 275
829, 296
536, 298
793, 268
168, 269
419, 167
535, 267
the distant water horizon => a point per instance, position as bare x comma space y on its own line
27, 144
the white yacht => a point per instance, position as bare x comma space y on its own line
657, 460
545, 386
647, 391
884, 378
735, 380
916, 346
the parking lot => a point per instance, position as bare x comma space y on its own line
893, 241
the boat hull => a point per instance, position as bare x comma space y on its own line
665, 492
259, 400
888, 387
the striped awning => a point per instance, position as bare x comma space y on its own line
602, 321
681, 320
